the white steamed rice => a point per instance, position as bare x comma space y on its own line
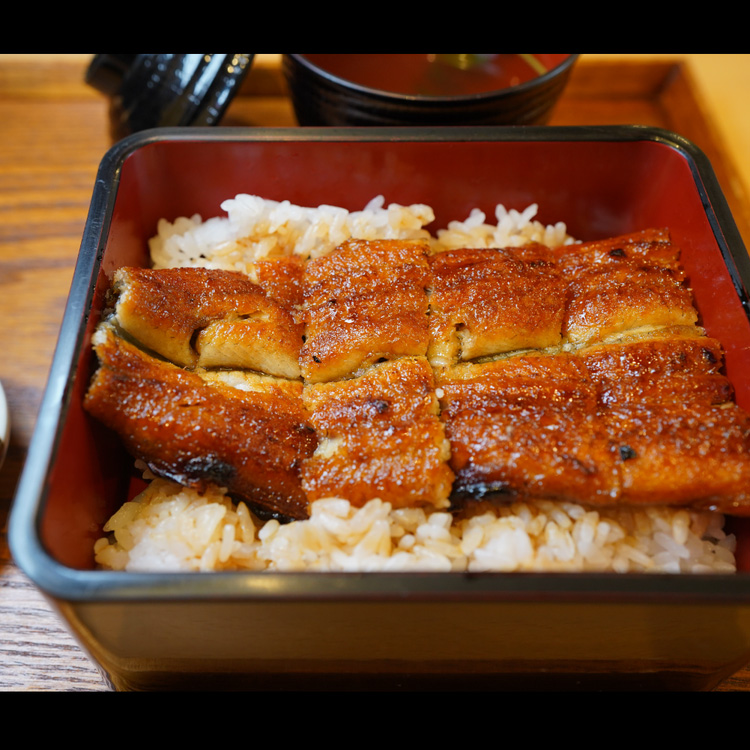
171, 528
255, 228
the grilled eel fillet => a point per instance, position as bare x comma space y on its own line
196, 317
365, 302
648, 421
195, 432
380, 437
576, 373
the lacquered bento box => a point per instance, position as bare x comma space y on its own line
378, 630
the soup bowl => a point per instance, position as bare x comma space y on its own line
411, 89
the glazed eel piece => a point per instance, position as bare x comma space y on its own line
199, 433
576, 373
645, 421
197, 317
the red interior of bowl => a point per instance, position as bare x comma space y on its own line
598, 189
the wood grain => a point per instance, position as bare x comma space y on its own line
54, 130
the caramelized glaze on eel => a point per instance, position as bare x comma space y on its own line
428, 378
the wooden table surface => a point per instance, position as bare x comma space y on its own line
54, 131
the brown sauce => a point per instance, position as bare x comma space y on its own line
437, 75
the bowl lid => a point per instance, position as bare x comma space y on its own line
149, 91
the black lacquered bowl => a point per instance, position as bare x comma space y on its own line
327, 96
399, 630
